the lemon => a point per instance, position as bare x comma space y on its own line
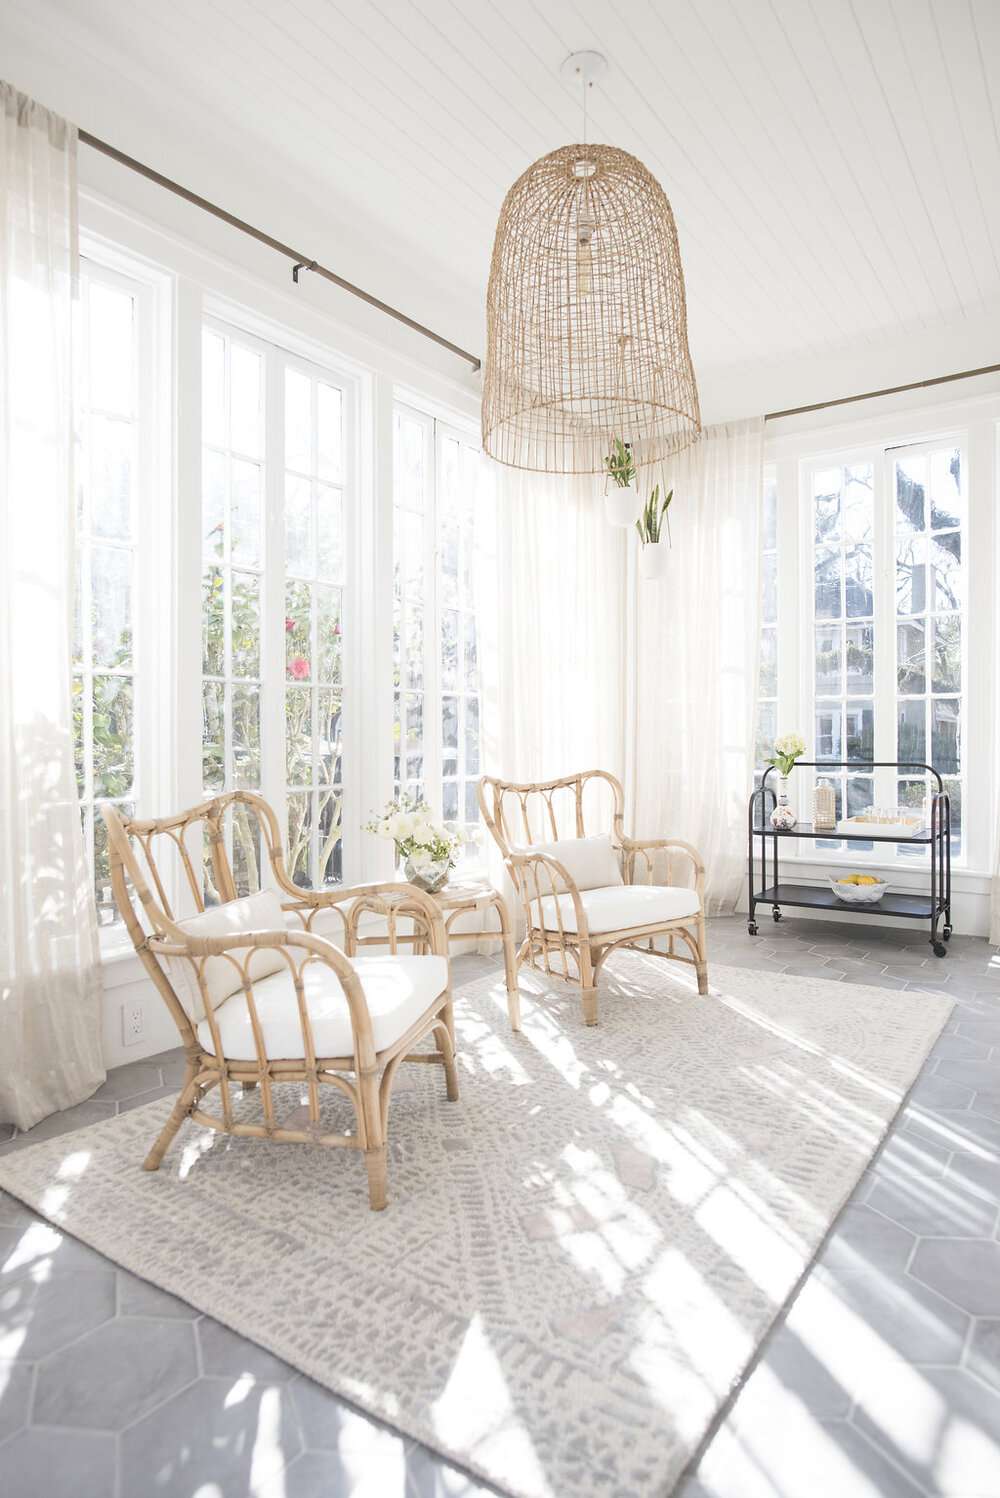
866, 879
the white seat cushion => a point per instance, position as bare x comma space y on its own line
620, 906
398, 991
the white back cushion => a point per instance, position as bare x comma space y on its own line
259, 912
591, 862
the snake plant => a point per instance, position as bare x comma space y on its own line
650, 522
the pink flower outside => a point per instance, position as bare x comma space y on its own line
299, 667
289, 626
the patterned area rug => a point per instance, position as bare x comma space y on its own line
579, 1258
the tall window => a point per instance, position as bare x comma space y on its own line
929, 512
272, 434
767, 681
233, 555
883, 536
313, 625
104, 670
460, 682
843, 518
435, 626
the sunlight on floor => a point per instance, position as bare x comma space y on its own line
475, 1412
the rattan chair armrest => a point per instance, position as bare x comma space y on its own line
632, 845
523, 861
315, 947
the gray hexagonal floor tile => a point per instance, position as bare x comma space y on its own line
212, 1437
980, 1177
38, 1318
962, 1060
983, 1356
940, 1424
62, 1123
935, 1208
863, 1241
965, 1132
125, 1081
904, 1158
803, 1460
138, 1297
429, 1476
967, 1271
330, 1424
893, 1317
226, 1353
15, 1396
137, 1365
53, 1463
940, 1092
34, 1247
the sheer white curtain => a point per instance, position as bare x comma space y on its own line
50, 1053
555, 672
697, 639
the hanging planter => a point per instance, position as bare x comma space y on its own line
653, 551
653, 560
621, 500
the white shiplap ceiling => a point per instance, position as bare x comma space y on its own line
833, 164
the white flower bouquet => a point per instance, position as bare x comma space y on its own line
787, 749
426, 847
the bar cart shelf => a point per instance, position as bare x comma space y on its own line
766, 887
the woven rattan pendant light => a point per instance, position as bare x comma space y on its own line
586, 332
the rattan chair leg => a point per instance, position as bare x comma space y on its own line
448, 1053
178, 1114
375, 1161
701, 966
374, 1139
588, 985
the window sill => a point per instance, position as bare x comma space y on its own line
962, 878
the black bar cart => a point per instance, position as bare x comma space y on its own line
767, 888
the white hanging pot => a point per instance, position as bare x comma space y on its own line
653, 560
621, 506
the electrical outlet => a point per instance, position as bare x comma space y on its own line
132, 1023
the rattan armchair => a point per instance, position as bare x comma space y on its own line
259, 1007
535, 827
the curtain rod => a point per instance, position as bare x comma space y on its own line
302, 262
847, 400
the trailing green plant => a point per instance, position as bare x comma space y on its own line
620, 463
650, 522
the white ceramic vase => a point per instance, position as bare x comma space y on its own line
652, 560
621, 505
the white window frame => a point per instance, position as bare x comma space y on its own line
977, 419
281, 350
437, 429
153, 574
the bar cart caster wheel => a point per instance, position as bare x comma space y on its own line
776, 915
940, 950
946, 933
751, 928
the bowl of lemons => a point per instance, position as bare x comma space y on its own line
859, 889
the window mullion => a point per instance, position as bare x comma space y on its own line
884, 572
433, 624
272, 627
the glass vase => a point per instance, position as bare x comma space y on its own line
783, 818
432, 877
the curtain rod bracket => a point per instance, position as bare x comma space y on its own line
302, 265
